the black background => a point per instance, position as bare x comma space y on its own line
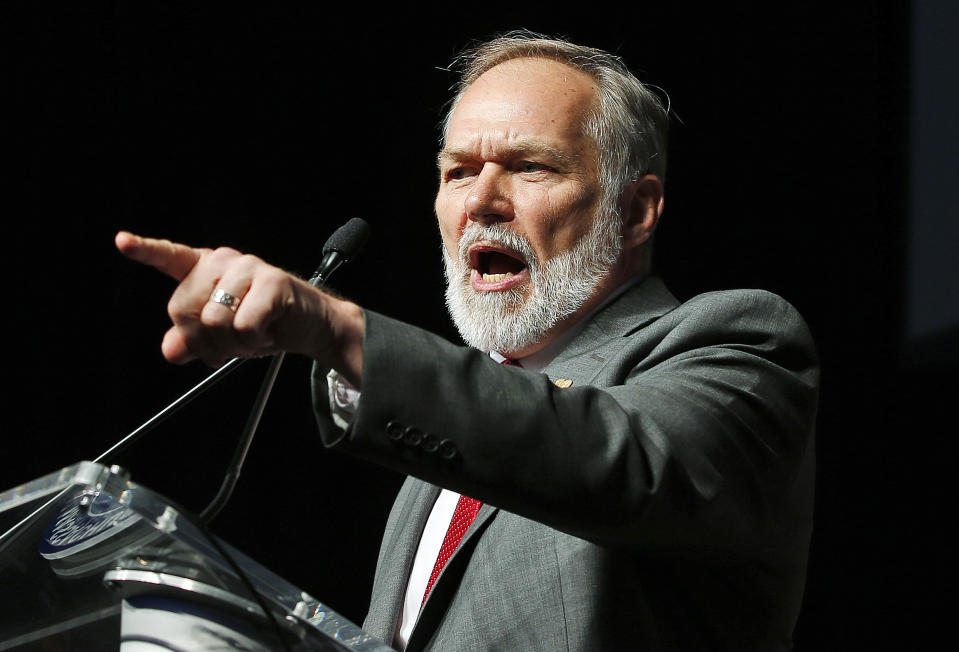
265, 128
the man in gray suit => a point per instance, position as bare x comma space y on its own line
642, 480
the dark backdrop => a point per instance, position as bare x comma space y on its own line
265, 128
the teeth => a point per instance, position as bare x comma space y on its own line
493, 278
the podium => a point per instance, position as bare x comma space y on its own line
91, 561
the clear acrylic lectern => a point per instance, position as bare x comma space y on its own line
91, 561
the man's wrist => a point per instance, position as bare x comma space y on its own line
344, 348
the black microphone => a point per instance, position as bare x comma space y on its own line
345, 243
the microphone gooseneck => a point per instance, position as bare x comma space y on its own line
345, 243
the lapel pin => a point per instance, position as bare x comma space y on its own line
563, 383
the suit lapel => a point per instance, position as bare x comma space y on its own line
485, 513
603, 335
400, 541
446, 584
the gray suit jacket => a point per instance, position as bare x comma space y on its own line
663, 501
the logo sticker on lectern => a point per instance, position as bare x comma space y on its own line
84, 522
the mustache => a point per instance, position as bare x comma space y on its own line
497, 234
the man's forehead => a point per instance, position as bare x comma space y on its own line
529, 84
503, 147
535, 106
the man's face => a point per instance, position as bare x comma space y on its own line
518, 205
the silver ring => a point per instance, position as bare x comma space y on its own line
224, 298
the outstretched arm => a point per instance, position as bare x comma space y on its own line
276, 311
694, 435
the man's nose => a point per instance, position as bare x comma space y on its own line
489, 198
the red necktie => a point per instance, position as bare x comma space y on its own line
466, 510
463, 516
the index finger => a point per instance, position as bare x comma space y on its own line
171, 258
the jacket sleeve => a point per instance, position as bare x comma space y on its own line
695, 438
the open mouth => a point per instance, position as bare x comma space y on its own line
496, 268
495, 264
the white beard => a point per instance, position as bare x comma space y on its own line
512, 320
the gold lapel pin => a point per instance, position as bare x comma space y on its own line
563, 383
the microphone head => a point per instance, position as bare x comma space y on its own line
349, 238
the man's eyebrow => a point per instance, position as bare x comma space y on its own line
517, 149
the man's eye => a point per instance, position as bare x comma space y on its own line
454, 174
530, 166
458, 172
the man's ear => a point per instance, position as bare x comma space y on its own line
644, 203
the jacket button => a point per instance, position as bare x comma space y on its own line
447, 449
412, 436
430, 442
394, 430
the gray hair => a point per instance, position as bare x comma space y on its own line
628, 124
